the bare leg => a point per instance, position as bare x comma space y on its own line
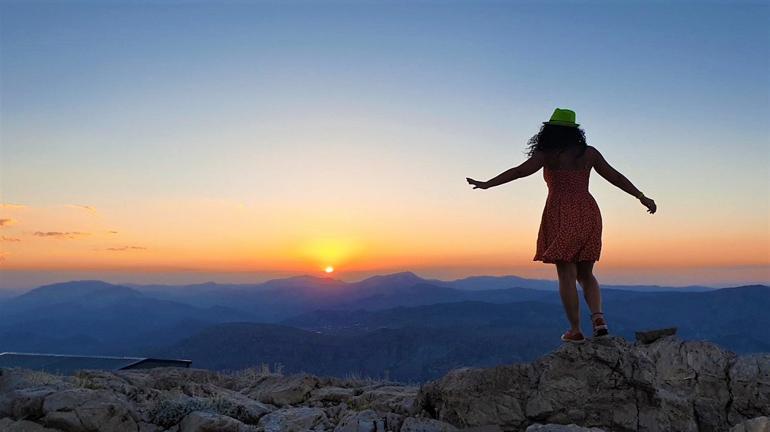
568, 290
590, 285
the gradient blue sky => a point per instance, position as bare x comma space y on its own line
355, 123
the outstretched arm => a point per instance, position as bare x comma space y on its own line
528, 167
616, 178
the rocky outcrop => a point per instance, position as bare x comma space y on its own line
603, 385
759, 424
667, 385
190, 400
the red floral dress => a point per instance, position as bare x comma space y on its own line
571, 226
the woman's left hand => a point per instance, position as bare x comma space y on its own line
477, 184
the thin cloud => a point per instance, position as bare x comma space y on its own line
90, 209
112, 232
7, 222
125, 248
60, 234
9, 239
12, 206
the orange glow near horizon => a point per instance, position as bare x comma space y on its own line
224, 236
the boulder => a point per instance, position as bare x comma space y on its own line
85, 410
398, 399
609, 384
283, 391
759, 424
334, 395
8, 425
413, 424
361, 421
470, 397
560, 428
200, 421
295, 420
749, 379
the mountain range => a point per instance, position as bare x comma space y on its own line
400, 325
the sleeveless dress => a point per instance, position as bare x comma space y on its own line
571, 226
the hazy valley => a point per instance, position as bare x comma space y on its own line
398, 326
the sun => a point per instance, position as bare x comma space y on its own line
329, 269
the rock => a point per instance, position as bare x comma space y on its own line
749, 379
332, 394
412, 424
691, 383
239, 406
398, 399
488, 428
759, 424
199, 421
87, 410
149, 427
28, 403
561, 428
168, 412
650, 336
295, 420
609, 384
283, 391
8, 425
470, 397
361, 421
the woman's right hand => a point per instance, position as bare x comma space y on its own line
649, 203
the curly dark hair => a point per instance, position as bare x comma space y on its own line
554, 137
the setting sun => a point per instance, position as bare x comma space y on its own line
329, 269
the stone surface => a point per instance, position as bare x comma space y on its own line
650, 336
8, 425
199, 421
87, 410
609, 384
388, 398
759, 424
413, 424
361, 421
282, 391
332, 394
561, 428
295, 420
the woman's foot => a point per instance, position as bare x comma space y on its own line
599, 324
573, 336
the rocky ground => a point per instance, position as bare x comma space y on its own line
606, 385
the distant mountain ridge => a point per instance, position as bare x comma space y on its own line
402, 279
277, 299
95, 317
374, 325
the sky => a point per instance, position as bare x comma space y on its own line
186, 141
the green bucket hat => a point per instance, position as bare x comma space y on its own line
562, 117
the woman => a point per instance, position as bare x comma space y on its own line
571, 226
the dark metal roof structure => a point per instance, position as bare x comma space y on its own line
68, 364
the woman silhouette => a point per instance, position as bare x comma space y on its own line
570, 233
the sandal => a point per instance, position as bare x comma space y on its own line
573, 336
599, 325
